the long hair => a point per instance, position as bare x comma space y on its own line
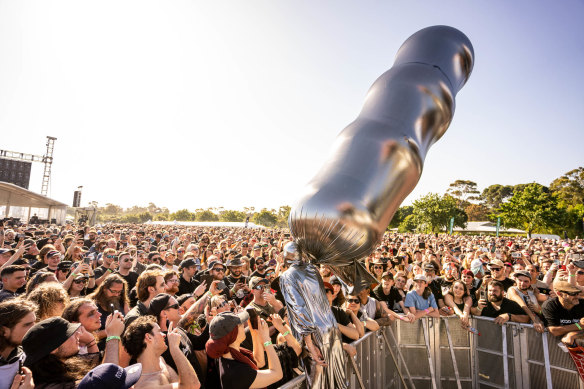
11, 313
99, 294
216, 348
51, 369
47, 297
451, 289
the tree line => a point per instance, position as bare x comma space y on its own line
534, 208
138, 214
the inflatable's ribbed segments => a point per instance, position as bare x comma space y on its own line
377, 160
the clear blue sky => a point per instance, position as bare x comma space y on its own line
230, 103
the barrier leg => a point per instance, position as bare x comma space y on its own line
401, 357
505, 357
395, 361
430, 362
454, 365
546, 358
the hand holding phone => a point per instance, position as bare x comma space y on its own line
253, 318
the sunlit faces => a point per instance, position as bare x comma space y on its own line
89, 317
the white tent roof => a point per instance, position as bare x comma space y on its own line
15, 196
487, 226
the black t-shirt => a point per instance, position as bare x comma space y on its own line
507, 283
507, 306
235, 374
436, 288
131, 278
392, 299
99, 271
186, 287
556, 315
342, 318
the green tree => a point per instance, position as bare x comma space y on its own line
283, 215
493, 196
182, 215
206, 215
232, 216
400, 215
477, 212
112, 209
432, 213
532, 209
570, 187
265, 217
464, 191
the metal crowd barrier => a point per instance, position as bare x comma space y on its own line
439, 353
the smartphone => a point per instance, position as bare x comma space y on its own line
20, 371
422, 245
253, 318
483, 295
207, 279
563, 267
221, 285
516, 255
87, 260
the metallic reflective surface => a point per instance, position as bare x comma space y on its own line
310, 314
375, 163
377, 160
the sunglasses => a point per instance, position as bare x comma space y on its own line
219, 269
495, 268
80, 281
260, 287
572, 294
378, 267
353, 301
173, 306
580, 272
110, 256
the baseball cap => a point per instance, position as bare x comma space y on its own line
53, 253
565, 286
335, 281
257, 246
225, 322
420, 277
190, 262
158, 303
235, 262
579, 263
523, 273
429, 266
328, 286
46, 336
111, 376
4, 251
256, 280
497, 263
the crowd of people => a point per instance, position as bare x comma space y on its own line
142, 306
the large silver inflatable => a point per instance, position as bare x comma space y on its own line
375, 163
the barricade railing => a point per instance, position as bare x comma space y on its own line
439, 353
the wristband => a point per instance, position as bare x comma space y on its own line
578, 326
114, 337
210, 294
286, 333
268, 343
427, 310
110, 270
74, 274
572, 275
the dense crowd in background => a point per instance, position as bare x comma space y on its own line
141, 306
